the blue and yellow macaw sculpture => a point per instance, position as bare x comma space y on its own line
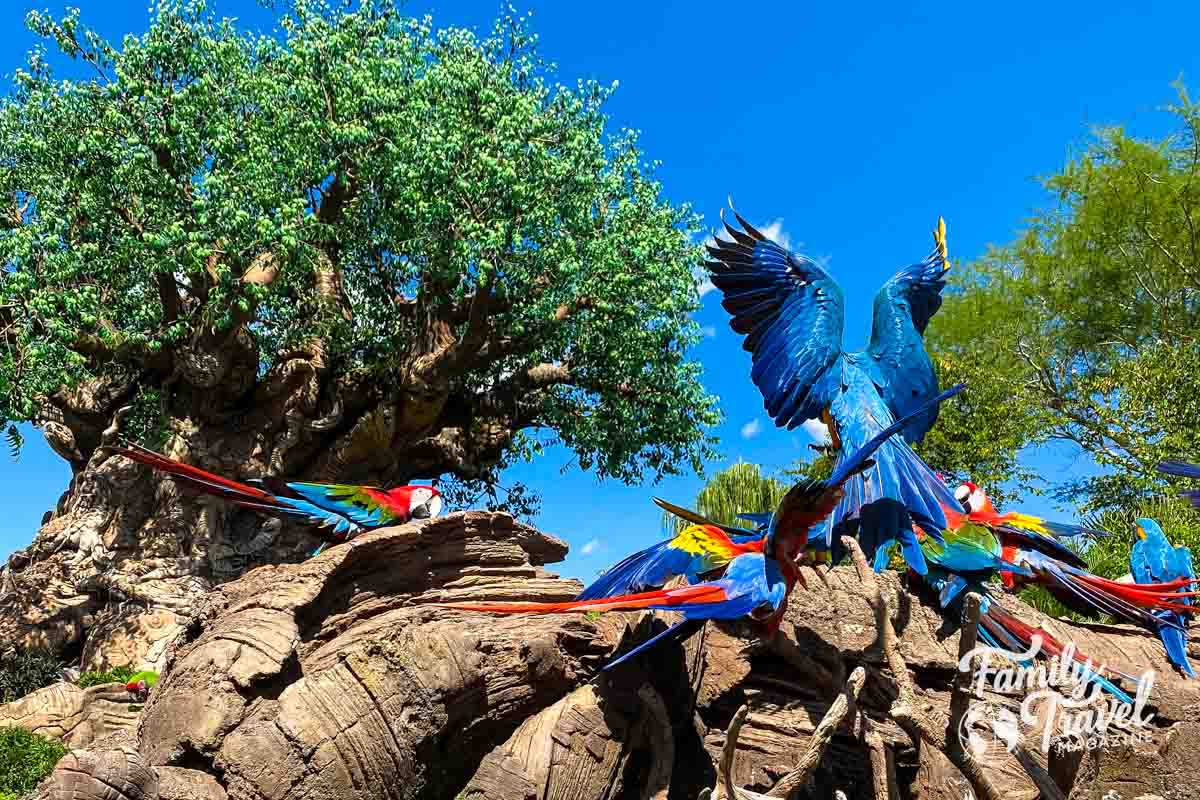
791, 312
1154, 561
744, 579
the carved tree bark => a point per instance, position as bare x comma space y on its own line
124, 551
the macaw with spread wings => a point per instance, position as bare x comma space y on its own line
746, 576
791, 312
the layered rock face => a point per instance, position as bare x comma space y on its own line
334, 678
77, 716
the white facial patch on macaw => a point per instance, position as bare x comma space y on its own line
425, 503
418, 499
973, 498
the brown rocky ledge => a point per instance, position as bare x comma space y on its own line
334, 679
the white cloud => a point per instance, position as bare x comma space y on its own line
816, 430
773, 230
709, 331
751, 429
590, 547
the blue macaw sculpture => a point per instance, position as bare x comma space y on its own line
791, 312
754, 580
1154, 560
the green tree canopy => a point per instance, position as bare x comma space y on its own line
412, 234
1084, 329
738, 489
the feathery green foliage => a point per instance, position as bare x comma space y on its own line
26, 672
1083, 329
114, 675
738, 489
25, 760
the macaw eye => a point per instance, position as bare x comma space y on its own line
961, 493
977, 500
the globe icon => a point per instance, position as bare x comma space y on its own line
988, 733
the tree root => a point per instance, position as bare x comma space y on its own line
835, 718
657, 724
841, 710
925, 726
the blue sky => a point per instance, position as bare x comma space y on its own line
848, 127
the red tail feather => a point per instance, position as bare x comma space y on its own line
198, 478
1144, 596
682, 596
1026, 633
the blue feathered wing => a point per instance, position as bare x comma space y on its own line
791, 312
1154, 560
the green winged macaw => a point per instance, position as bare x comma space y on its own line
748, 579
790, 311
140, 683
1029, 552
1001, 630
337, 510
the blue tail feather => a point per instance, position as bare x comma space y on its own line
1180, 469
676, 633
1175, 643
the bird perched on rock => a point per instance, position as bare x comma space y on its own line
1154, 561
140, 684
1029, 552
338, 510
1002, 630
791, 312
756, 579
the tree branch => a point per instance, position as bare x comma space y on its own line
883, 764
906, 708
834, 719
496, 349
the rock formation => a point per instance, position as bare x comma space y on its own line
334, 678
77, 716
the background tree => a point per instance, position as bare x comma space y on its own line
738, 489
1084, 329
361, 250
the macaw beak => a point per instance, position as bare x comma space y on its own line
429, 509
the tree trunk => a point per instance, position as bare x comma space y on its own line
126, 551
